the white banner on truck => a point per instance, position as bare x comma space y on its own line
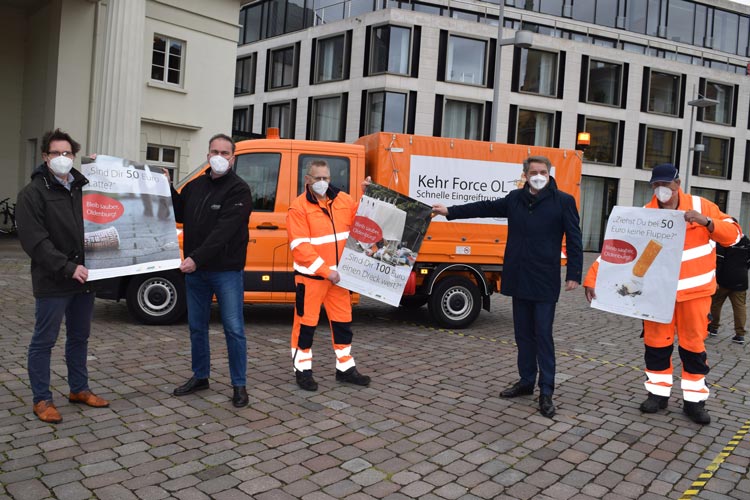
129, 225
456, 181
639, 266
383, 244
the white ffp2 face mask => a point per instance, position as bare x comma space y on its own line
320, 187
663, 194
538, 181
61, 165
219, 164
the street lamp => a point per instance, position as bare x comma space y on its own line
523, 40
700, 102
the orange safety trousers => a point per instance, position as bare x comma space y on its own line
311, 293
690, 325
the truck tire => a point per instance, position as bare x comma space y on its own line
414, 301
157, 299
455, 302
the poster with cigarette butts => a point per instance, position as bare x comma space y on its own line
128, 221
639, 266
383, 244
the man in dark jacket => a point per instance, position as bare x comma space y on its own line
215, 210
732, 264
50, 226
538, 216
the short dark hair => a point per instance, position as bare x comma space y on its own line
221, 136
59, 135
536, 159
317, 162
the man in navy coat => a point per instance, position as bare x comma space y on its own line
538, 216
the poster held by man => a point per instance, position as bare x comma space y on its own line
383, 244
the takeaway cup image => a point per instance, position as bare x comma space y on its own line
103, 239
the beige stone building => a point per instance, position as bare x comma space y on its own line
149, 80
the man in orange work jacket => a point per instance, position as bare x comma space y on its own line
318, 223
706, 225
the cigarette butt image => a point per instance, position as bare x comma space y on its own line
104, 239
647, 258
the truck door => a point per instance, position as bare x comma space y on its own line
266, 276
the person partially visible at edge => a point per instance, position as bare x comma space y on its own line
318, 223
706, 225
732, 264
49, 213
538, 214
214, 209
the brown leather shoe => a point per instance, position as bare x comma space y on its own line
88, 398
46, 412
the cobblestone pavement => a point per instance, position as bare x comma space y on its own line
431, 425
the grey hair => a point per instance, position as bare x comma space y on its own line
317, 162
536, 159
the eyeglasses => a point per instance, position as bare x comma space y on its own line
55, 154
316, 179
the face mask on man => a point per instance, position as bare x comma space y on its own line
320, 187
61, 165
219, 164
538, 181
663, 194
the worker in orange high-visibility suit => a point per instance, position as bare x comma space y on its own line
706, 225
318, 223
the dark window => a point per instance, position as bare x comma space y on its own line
466, 60
664, 93
604, 138
681, 15
538, 72
583, 10
282, 68
606, 13
722, 112
279, 115
714, 161
604, 82
390, 50
716, 195
660, 147
636, 13
244, 75
386, 112
725, 31
328, 119
261, 171
242, 122
330, 59
463, 120
535, 128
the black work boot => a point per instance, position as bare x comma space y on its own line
696, 412
517, 389
546, 406
239, 396
654, 403
352, 376
305, 380
192, 385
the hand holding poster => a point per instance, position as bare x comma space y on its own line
383, 244
640, 263
129, 225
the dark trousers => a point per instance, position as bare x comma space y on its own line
532, 323
50, 311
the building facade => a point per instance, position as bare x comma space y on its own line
648, 79
148, 80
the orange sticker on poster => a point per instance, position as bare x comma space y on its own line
101, 209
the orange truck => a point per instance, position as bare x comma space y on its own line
459, 265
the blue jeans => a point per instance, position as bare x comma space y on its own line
77, 310
532, 323
228, 286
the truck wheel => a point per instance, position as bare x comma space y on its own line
414, 301
157, 299
455, 302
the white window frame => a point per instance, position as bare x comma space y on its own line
165, 68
